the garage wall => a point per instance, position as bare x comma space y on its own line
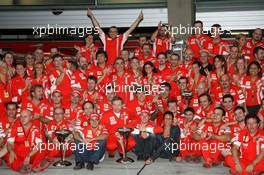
70, 18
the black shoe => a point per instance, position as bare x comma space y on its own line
121, 155
140, 157
90, 166
146, 157
111, 156
79, 166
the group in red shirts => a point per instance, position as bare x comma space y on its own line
212, 96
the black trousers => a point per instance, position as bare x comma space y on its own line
144, 146
253, 109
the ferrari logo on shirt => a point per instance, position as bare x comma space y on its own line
247, 83
82, 76
138, 109
98, 132
7, 125
214, 76
210, 129
99, 73
89, 134
85, 123
19, 129
106, 106
112, 120
245, 139
53, 127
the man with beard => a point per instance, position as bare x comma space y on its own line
79, 77
253, 42
36, 103
226, 87
162, 39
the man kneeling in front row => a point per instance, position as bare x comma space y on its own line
90, 143
24, 144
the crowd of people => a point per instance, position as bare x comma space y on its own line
212, 98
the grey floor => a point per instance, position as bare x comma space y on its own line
110, 167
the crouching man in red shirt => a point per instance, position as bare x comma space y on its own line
250, 147
90, 143
24, 146
114, 119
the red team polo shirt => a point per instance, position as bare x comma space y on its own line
112, 47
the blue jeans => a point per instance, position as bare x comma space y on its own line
82, 154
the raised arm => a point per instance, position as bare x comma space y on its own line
94, 20
135, 24
154, 35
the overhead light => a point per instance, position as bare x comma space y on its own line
179, 42
237, 33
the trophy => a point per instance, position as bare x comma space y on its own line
125, 132
61, 136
